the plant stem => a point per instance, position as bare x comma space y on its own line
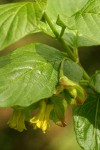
51, 25
65, 46
75, 51
85, 75
61, 67
84, 82
68, 50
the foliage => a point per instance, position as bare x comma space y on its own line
38, 76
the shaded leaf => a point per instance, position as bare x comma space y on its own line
95, 81
73, 71
58, 112
87, 123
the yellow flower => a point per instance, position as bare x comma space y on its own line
41, 120
17, 120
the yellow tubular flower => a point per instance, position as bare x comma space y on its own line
41, 120
17, 120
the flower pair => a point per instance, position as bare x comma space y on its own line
41, 120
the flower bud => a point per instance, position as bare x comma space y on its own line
65, 82
75, 93
72, 92
81, 95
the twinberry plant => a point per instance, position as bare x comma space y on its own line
40, 77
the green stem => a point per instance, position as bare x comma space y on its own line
51, 25
65, 46
85, 75
75, 51
84, 82
68, 50
61, 67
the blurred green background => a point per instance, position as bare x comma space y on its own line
56, 137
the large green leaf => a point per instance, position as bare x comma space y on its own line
30, 73
81, 18
64, 8
18, 20
87, 24
95, 81
87, 123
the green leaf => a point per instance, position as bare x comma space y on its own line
87, 123
83, 26
81, 19
89, 18
73, 71
58, 113
42, 3
18, 20
29, 74
95, 81
64, 8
